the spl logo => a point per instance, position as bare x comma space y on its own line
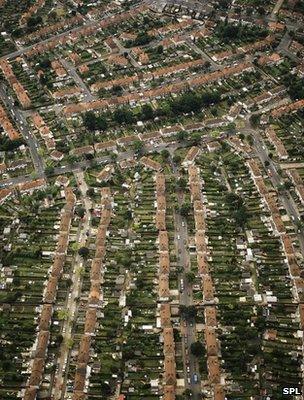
292, 390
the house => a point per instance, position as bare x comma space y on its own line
164, 263
7, 125
95, 272
45, 317
163, 241
90, 321
163, 289
191, 156
160, 220
79, 151
32, 185
165, 315
127, 140
170, 130
84, 350
169, 347
170, 370
277, 143
169, 392
202, 263
208, 290
80, 377
219, 393
211, 342
36, 373
105, 174
51, 290
56, 155
5, 194
210, 316
30, 393
213, 366
42, 344
150, 164
105, 146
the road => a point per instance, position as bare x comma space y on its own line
188, 328
23, 127
123, 50
276, 180
204, 55
276, 8
77, 79
75, 290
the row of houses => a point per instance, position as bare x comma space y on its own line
276, 142
169, 382
31, 11
159, 92
58, 26
26, 187
259, 45
17, 87
173, 27
159, 72
271, 202
298, 183
7, 125
152, 138
96, 277
42, 340
43, 130
286, 109
211, 340
87, 30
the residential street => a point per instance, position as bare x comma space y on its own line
23, 128
188, 328
74, 293
71, 70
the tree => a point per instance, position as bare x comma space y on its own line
80, 211
197, 349
45, 63
89, 120
190, 277
188, 393
177, 158
160, 49
84, 252
49, 170
196, 138
181, 136
147, 112
138, 146
123, 116
165, 154
188, 312
254, 120
185, 209
90, 192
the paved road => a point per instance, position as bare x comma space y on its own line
188, 328
276, 180
204, 55
23, 127
276, 8
59, 388
77, 79
126, 50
